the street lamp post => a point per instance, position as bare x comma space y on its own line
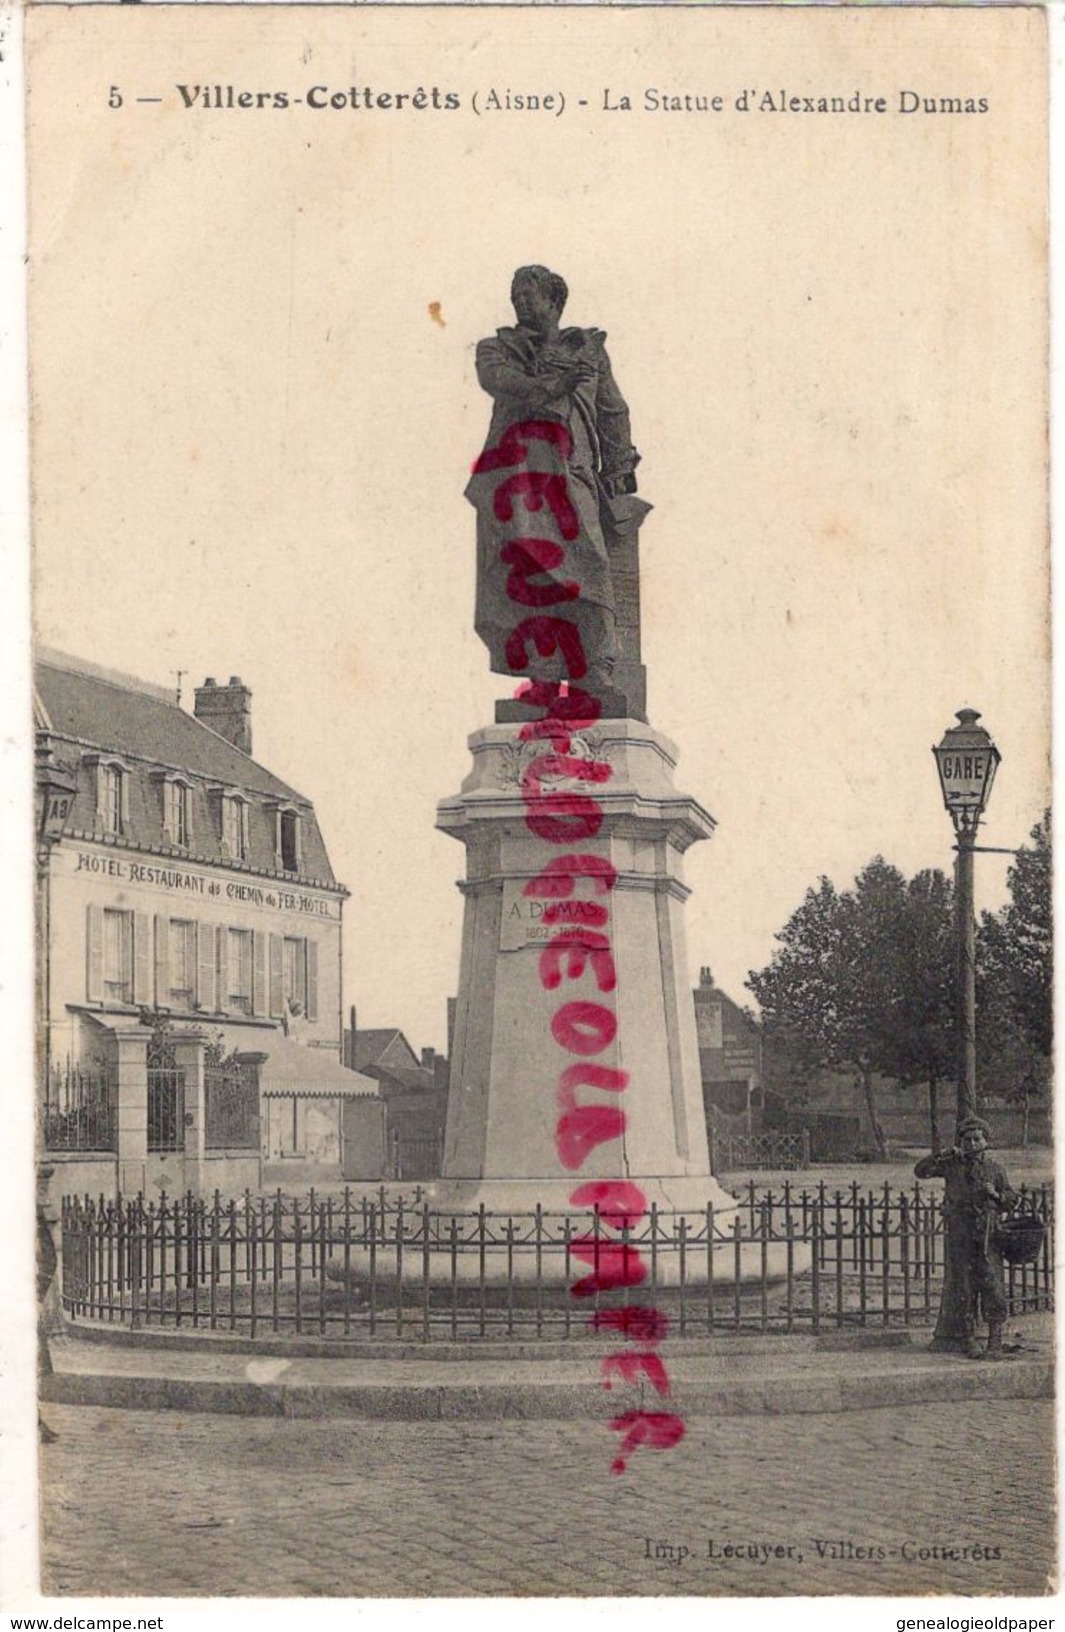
967, 760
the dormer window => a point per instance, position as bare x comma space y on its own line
288, 840
113, 789
112, 794
177, 813
175, 792
235, 826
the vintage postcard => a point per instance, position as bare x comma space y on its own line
542, 1078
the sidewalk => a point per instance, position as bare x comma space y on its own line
728, 1376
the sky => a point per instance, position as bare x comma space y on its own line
251, 437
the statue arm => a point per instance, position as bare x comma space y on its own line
502, 374
618, 456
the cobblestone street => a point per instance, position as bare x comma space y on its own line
160, 1503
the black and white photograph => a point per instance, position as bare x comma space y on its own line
539, 1082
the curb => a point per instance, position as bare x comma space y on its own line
491, 1351
544, 1399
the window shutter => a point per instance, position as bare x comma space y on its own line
258, 973
277, 994
223, 968
94, 955
142, 973
162, 959
204, 934
312, 980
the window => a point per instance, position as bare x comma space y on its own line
182, 962
235, 827
288, 840
118, 956
176, 812
295, 975
229, 817
112, 800
239, 964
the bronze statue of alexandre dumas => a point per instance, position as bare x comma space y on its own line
539, 371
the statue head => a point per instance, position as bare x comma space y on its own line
538, 295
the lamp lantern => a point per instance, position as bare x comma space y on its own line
967, 760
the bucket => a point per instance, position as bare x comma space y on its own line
1020, 1237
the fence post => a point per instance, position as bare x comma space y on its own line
710, 1268
426, 1271
232, 1265
904, 1241
815, 1268
737, 1260
399, 1267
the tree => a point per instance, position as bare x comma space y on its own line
862, 981
1015, 971
918, 1024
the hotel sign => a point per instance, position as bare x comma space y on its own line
174, 879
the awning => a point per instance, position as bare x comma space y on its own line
292, 1071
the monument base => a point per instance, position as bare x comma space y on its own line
508, 1180
505, 1198
509, 1057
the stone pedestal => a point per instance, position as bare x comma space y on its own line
500, 1147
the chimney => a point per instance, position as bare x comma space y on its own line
349, 1038
705, 976
227, 710
428, 1056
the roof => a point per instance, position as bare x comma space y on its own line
84, 708
372, 1047
704, 995
292, 1071
385, 1054
128, 716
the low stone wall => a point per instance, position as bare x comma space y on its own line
295, 1172
80, 1173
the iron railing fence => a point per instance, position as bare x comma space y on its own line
166, 1095
79, 1110
231, 1105
341, 1266
744, 1152
416, 1156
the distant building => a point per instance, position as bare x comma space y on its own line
189, 946
414, 1092
730, 1061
